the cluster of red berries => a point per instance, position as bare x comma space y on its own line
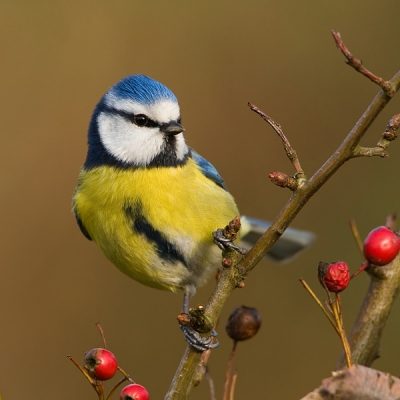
381, 247
102, 365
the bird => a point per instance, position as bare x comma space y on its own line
150, 202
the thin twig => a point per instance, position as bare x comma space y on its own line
341, 334
363, 267
99, 327
290, 152
229, 370
233, 385
84, 372
357, 65
356, 235
316, 299
337, 306
127, 376
98, 386
210, 384
116, 386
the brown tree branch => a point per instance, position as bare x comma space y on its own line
371, 320
231, 276
301, 196
357, 65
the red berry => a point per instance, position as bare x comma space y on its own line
381, 246
335, 276
101, 364
134, 392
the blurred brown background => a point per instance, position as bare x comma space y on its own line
57, 60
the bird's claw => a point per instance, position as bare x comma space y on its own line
224, 243
196, 341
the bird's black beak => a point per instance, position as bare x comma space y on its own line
172, 128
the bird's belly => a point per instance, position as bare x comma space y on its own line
152, 227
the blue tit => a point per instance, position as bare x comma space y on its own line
148, 200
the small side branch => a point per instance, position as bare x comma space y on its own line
290, 152
386, 138
370, 152
354, 62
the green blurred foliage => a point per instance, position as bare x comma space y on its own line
59, 57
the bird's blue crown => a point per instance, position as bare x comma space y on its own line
142, 89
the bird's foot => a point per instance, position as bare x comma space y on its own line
224, 241
194, 325
198, 342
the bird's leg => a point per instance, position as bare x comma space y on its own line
192, 322
186, 299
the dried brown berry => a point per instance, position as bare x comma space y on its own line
243, 323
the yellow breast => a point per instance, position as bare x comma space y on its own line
180, 205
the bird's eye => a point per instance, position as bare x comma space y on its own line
140, 120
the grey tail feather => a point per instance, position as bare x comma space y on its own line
287, 247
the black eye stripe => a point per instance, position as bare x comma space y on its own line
137, 119
143, 120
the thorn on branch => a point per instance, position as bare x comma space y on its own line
354, 62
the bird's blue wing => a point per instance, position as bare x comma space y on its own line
208, 169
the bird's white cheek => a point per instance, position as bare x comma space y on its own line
181, 147
127, 142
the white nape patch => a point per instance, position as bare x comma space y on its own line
133, 144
